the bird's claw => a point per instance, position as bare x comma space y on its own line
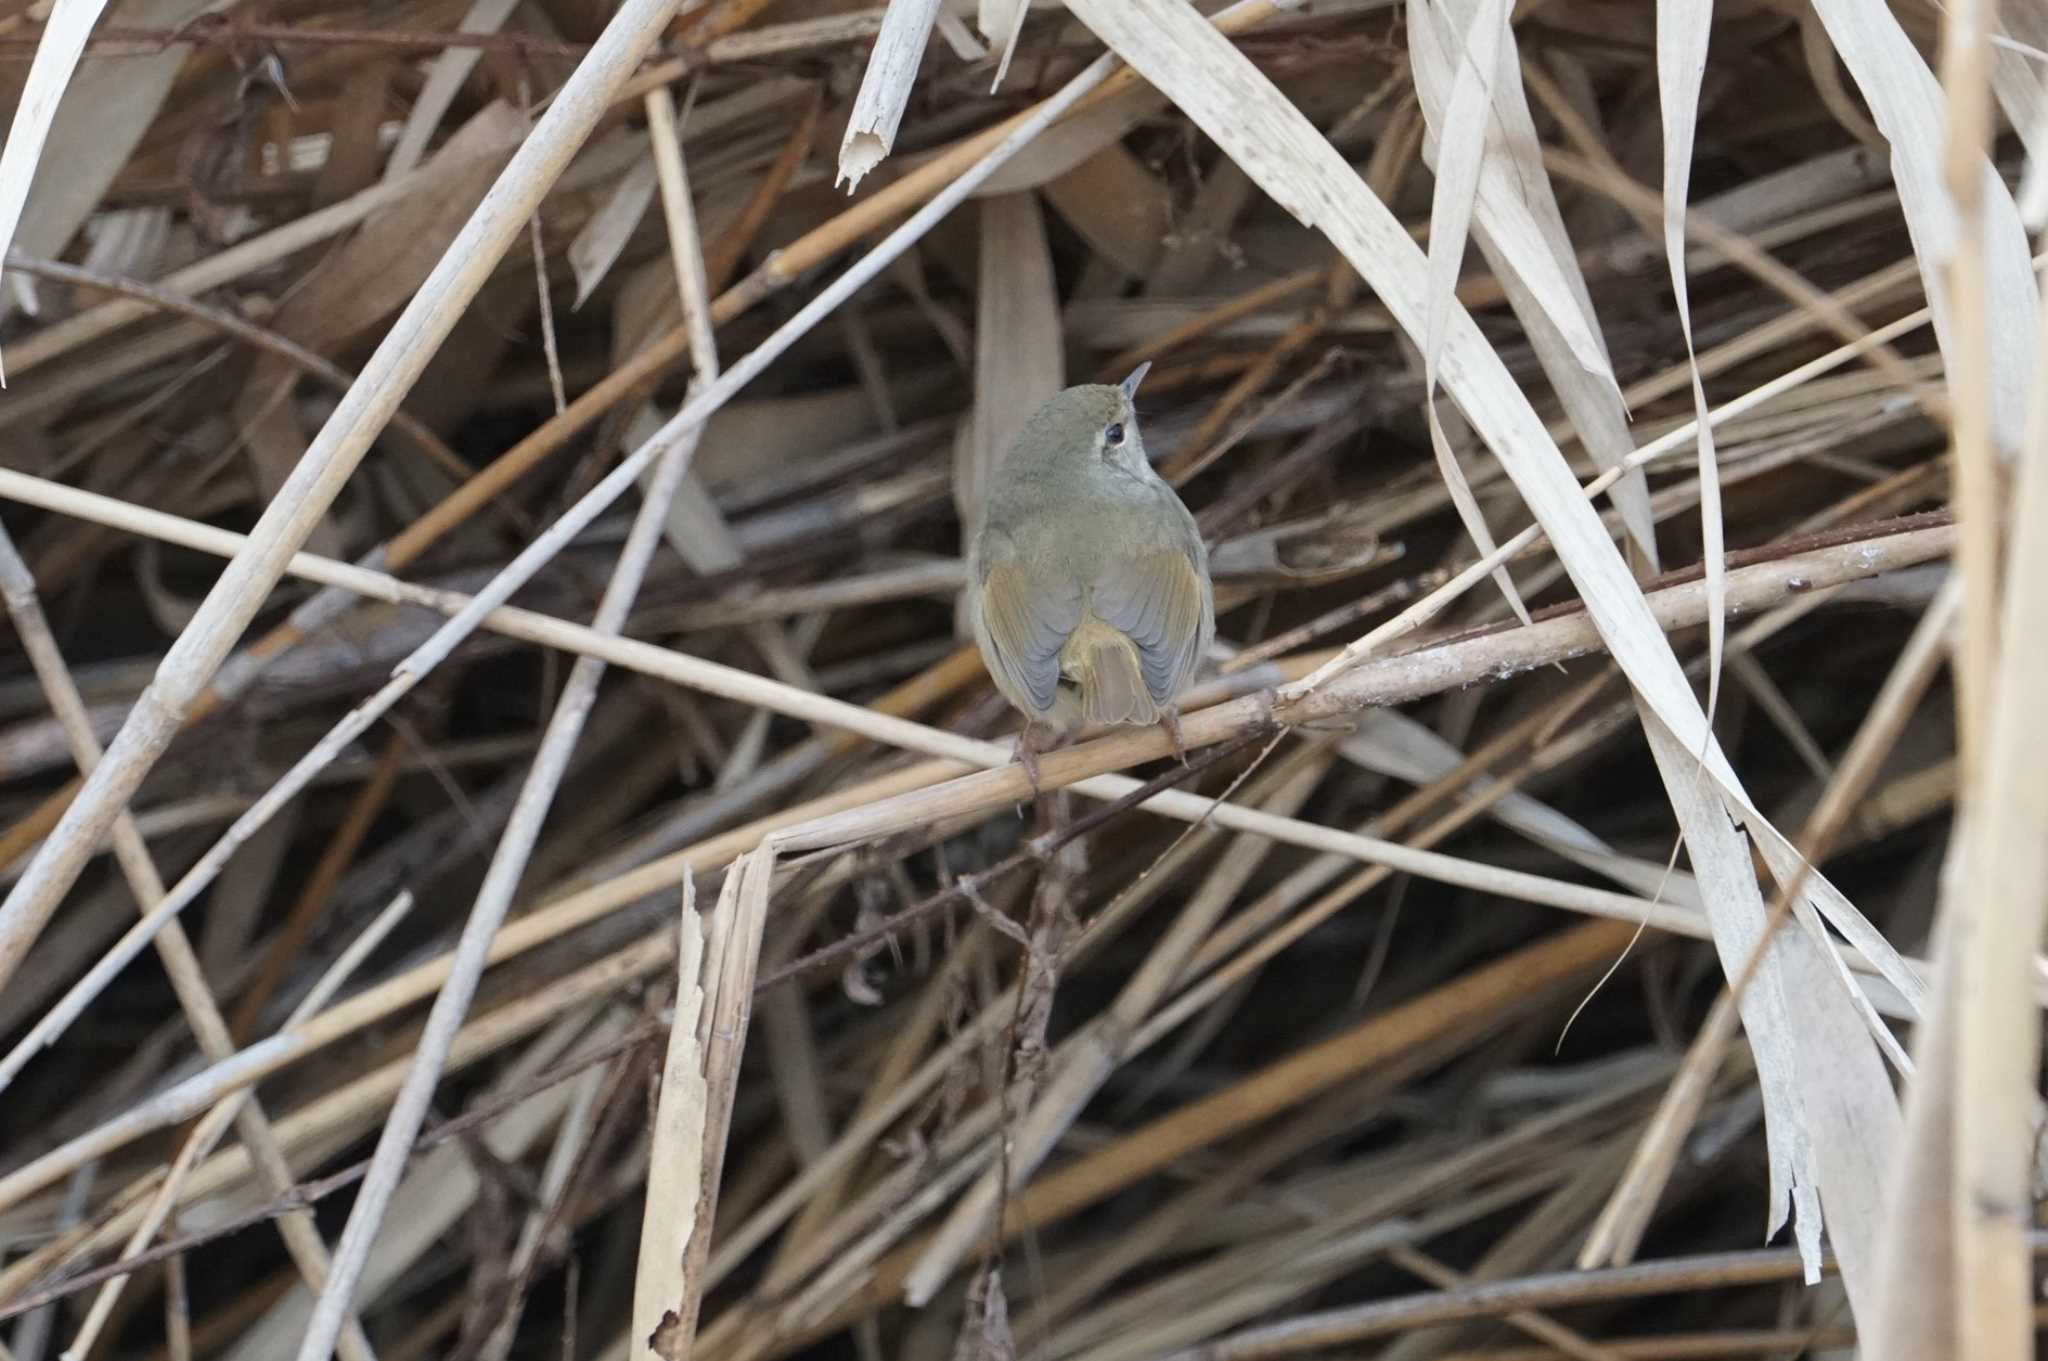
1027, 757
1169, 719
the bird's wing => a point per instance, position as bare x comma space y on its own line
1025, 619
1157, 600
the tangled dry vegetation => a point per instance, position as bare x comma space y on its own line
483, 496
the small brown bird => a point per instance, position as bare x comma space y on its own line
1088, 583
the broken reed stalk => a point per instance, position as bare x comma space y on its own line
676, 1168
885, 89
735, 954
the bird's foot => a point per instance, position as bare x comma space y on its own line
1029, 745
1169, 719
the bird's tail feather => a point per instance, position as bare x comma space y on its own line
1112, 687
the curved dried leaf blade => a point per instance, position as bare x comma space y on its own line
1907, 104
1683, 27
1457, 183
64, 37
1521, 231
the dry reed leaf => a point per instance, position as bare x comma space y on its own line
458, 379
1623, 1223
645, 307
57, 53
885, 89
1683, 27
445, 78
168, 610
128, 241
694, 527
355, 148
78, 123
1720, 856
743, 440
1450, 213
2033, 191
1069, 143
1120, 208
379, 269
2030, 27
598, 246
1236, 106
676, 1163
1754, 206
2016, 81
698, 531
362, 282
1512, 195
1019, 355
2034, 188
1337, 543
81, 935
1907, 103
273, 441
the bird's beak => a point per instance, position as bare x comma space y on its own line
1130, 384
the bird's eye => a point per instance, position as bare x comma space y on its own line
1114, 436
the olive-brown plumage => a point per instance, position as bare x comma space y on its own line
1088, 584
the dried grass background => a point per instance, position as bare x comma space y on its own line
510, 852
